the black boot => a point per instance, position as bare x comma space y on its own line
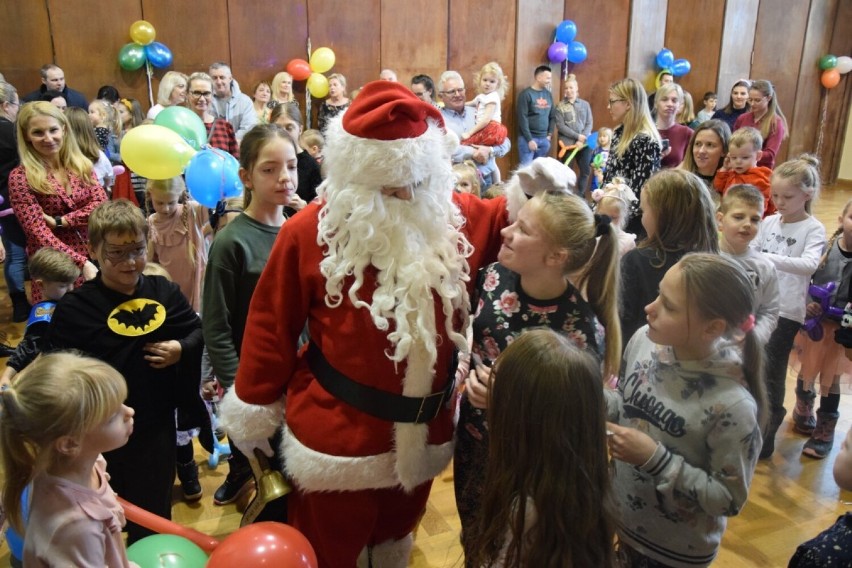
189, 484
20, 307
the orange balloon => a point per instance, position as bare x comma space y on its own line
830, 78
164, 526
264, 544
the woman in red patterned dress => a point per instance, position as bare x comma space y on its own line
53, 190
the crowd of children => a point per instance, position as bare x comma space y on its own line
662, 364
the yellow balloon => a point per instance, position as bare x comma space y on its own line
155, 152
142, 32
317, 85
322, 60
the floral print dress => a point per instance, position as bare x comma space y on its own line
502, 312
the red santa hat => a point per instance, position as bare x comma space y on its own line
385, 110
388, 138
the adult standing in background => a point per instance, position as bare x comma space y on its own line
229, 103
665, 78
220, 132
736, 106
388, 75
172, 91
336, 102
574, 124
635, 149
536, 117
282, 91
424, 88
13, 253
706, 150
460, 118
766, 116
53, 191
668, 101
53, 79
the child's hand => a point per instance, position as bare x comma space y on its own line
477, 383
726, 164
163, 353
89, 270
813, 309
629, 444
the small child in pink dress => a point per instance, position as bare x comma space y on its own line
176, 236
60, 414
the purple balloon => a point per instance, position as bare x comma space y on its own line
576, 52
557, 52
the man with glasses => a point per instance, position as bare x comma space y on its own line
536, 117
53, 79
229, 103
460, 118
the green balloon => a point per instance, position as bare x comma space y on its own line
131, 57
827, 62
186, 123
166, 551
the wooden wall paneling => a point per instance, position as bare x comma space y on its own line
778, 56
803, 118
607, 52
265, 35
352, 30
414, 38
87, 45
525, 46
694, 32
25, 27
839, 98
647, 38
737, 46
196, 33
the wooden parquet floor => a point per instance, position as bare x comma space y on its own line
792, 498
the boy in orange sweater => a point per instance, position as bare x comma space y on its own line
741, 167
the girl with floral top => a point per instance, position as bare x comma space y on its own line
549, 273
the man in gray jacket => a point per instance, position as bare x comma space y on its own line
229, 103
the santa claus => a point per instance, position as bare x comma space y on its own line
379, 271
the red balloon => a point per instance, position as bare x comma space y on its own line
299, 69
830, 78
264, 544
164, 526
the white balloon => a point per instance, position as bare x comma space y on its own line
844, 64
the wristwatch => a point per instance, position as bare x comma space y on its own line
58, 220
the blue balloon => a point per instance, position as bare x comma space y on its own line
158, 54
680, 67
665, 58
592, 140
566, 31
576, 52
212, 175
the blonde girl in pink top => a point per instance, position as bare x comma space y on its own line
176, 235
58, 417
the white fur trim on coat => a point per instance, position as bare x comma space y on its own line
388, 554
244, 421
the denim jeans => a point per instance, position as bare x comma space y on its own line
15, 266
526, 155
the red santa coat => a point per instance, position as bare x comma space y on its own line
328, 444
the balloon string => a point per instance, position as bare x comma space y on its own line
149, 71
823, 114
307, 92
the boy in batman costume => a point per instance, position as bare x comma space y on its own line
144, 327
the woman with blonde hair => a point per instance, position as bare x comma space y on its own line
54, 190
282, 90
636, 145
336, 102
674, 136
766, 116
172, 92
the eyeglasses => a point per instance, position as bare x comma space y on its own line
117, 254
199, 94
611, 102
453, 92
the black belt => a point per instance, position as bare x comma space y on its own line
376, 402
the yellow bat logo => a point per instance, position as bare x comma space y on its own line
136, 317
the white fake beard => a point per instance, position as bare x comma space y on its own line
416, 248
